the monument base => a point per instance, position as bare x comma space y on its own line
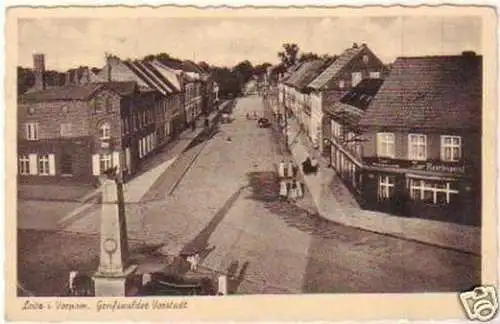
107, 285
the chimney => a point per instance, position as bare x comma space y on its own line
67, 82
468, 53
86, 75
39, 71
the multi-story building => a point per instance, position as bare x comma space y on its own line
345, 147
422, 132
72, 133
300, 102
344, 73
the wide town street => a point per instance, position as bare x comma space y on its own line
220, 196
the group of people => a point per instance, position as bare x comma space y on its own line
291, 188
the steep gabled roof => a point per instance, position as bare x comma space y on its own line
440, 92
331, 71
171, 75
140, 70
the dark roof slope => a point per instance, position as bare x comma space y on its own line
82, 92
362, 94
430, 92
70, 92
337, 65
315, 68
303, 72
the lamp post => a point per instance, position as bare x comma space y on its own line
329, 142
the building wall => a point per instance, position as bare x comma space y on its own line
50, 115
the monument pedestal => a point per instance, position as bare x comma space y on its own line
113, 272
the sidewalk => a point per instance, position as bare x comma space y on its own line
448, 235
137, 187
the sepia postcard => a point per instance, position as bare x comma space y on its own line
279, 164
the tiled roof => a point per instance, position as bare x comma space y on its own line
164, 80
362, 94
315, 68
190, 66
168, 73
334, 68
349, 115
301, 73
71, 92
145, 74
82, 92
430, 92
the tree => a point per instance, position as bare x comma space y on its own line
204, 65
243, 71
260, 69
289, 54
305, 57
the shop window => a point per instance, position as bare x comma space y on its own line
24, 165
417, 147
451, 148
433, 192
385, 186
66, 164
375, 75
43, 164
385, 145
105, 162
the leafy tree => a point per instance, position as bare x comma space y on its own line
260, 69
304, 57
289, 54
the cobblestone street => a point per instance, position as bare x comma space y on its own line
221, 196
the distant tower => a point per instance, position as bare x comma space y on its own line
39, 70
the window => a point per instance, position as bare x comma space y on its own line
32, 131
24, 165
105, 162
65, 130
104, 131
97, 106
375, 75
66, 164
433, 192
356, 78
341, 84
385, 145
366, 59
43, 164
385, 186
451, 148
108, 101
417, 147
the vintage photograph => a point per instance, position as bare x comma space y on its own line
188, 156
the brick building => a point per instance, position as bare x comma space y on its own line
75, 132
422, 131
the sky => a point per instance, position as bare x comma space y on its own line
69, 43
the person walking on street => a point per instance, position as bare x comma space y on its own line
314, 165
281, 170
299, 186
294, 168
283, 190
292, 194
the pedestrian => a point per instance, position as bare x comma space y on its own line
292, 194
294, 169
281, 169
314, 165
207, 123
300, 188
193, 125
306, 166
283, 190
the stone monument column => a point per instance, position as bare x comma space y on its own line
111, 276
